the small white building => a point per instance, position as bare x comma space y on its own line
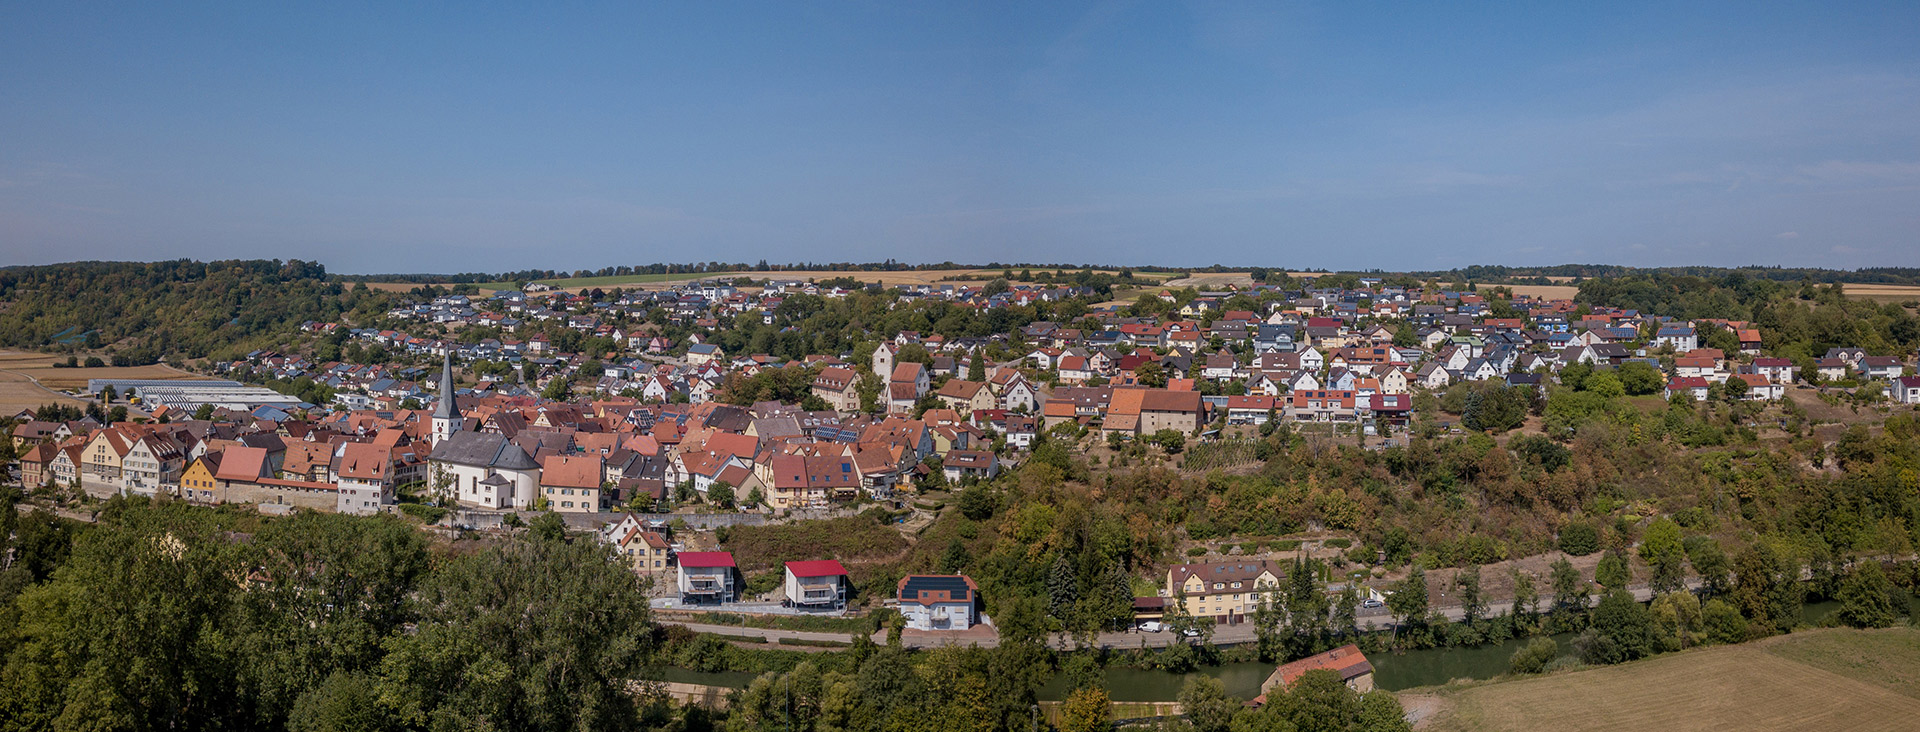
363, 473
939, 601
1906, 390
707, 578
819, 584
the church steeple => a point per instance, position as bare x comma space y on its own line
446, 416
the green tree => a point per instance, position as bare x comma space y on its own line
1151, 375
328, 592
1473, 604
541, 634
1722, 622
1676, 618
1205, 702
1172, 440
1087, 710
1639, 378
1735, 389
1665, 556
344, 702
1621, 630
1579, 538
720, 493
1868, 599
1767, 587
1711, 564
1408, 603
977, 502
1606, 385
1613, 572
126, 634
1534, 656
1569, 591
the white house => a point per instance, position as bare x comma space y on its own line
819, 584
1906, 390
364, 475
939, 601
707, 578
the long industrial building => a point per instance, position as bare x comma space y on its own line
190, 394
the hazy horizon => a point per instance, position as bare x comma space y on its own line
377, 139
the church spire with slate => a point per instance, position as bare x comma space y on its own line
446, 416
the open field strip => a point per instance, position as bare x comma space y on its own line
1824, 679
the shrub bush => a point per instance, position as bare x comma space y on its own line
1579, 539
1534, 656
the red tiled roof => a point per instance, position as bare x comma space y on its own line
816, 568
706, 559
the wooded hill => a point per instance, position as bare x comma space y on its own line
147, 310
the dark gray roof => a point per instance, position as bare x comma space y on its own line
480, 449
447, 409
955, 585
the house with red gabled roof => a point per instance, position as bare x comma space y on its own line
707, 578
1693, 386
1761, 389
1780, 370
572, 483
819, 584
1347, 662
363, 478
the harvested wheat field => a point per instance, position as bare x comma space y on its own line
30, 380
1882, 293
1824, 679
1545, 292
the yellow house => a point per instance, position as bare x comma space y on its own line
197, 482
965, 396
100, 461
1224, 591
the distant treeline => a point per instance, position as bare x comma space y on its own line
696, 269
1480, 273
1500, 274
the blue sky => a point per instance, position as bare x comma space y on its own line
478, 137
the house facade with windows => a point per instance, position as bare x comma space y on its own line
819, 584
707, 578
938, 601
572, 483
1225, 591
365, 478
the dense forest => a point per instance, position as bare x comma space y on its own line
143, 311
